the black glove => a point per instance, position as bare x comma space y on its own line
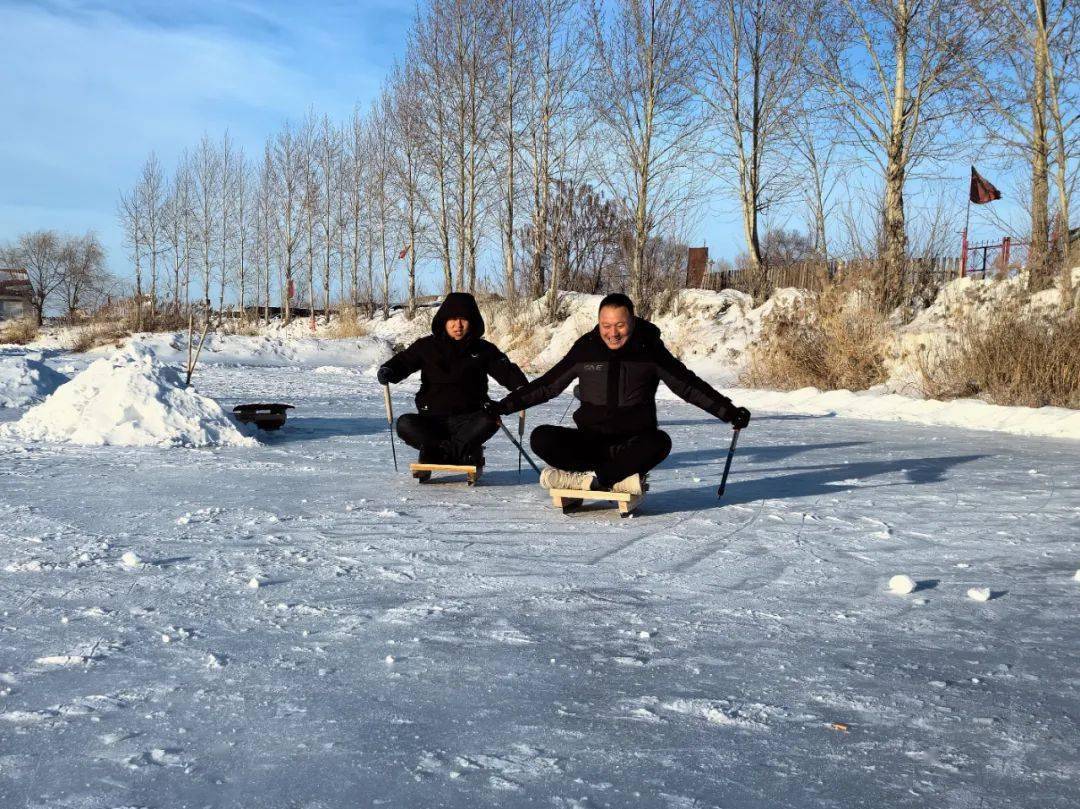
494, 409
384, 375
739, 417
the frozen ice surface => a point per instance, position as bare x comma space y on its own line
704, 654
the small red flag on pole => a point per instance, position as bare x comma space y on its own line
982, 191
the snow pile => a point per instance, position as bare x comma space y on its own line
128, 400
25, 381
931, 331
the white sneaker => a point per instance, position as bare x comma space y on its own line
630, 485
552, 478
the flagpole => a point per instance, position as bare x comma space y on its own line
964, 238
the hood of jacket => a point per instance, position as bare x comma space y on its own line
459, 304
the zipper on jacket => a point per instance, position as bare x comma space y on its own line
614, 369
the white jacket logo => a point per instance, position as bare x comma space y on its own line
593, 366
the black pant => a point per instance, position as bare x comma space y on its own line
611, 457
448, 439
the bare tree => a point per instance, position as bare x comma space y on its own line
230, 162
150, 198
404, 116
385, 215
207, 206
751, 82
310, 203
328, 154
177, 217
817, 143
130, 211
1020, 110
512, 24
642, 95
43, 255
428, 52
83, 275
245, 213
356, 202
888, 68
287, 177
554, 126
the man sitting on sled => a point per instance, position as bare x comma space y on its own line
454, 363
619, 365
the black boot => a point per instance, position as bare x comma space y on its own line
435, 453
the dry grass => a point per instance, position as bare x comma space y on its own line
347, 324
105, 333
835, 339
1015, 357
160, 321
20, 332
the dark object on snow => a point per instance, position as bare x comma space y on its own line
265, 416
727, 466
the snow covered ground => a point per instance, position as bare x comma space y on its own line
441, 646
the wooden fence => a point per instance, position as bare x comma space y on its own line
814, 275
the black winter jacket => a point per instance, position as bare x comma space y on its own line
453, 373
618, 388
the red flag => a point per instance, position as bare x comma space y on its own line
404, 251
981, 190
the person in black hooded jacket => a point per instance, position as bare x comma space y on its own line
618, 365
454, 362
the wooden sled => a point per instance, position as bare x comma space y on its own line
422, 471
570, 499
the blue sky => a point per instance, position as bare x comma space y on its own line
89, 88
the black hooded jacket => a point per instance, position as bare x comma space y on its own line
453, 373
618, 388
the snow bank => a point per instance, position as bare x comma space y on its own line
266, 351
129, 399
970, 414
26, 381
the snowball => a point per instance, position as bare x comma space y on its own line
254, 583
979, 593
389, 660
131, 559
1076, 576
901, 584
129, 399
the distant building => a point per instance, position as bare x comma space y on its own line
16, 294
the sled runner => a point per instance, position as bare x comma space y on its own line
570, 499
422, 471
